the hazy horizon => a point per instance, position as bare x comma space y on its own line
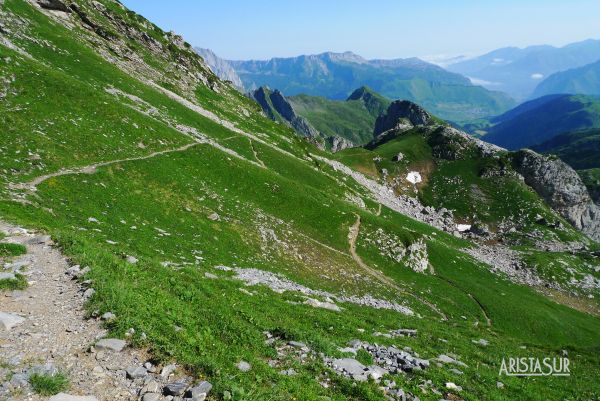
236, 30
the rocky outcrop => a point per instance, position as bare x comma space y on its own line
451, 144
401, 114
337, 143
56, 5
561, 187
278, 108
220, 67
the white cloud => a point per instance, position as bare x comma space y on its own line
483, 82
537, 75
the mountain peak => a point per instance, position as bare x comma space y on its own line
360, 93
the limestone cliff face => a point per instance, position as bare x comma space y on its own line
561, 188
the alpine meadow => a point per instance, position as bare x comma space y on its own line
179, 226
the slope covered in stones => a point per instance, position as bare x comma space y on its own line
223, 242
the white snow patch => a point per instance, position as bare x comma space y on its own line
537, 75
463, 227
414, 177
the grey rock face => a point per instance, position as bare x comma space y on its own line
54, 5
338, 143
561, 187
220, 67
401, 113
278, 108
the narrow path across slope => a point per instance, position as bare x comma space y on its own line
479, 304
53, 329
255, 153
352, 237
90, 169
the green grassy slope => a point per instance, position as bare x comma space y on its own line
352, 119
279, 210
580, 149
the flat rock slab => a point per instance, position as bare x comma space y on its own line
352, 366
111, 344
8, 320
68, 397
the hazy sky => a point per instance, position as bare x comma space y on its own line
260, 29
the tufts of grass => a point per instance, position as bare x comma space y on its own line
12, 250
47, 385
19, 283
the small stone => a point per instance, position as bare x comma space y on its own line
288, 372
137, 372
201, 389
453, 386
244, 366
214, 217
168, 370
108, 316
499, 385
210, 275
131, 259
111, 344
175, 389
151, 397
89, 293
150, 387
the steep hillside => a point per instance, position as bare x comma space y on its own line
518, 71
539, 120
336, 75
582, 81
234, 258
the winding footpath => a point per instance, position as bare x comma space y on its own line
352, 238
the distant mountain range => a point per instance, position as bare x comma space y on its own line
336, 75
540, 120
582, 80
518, 71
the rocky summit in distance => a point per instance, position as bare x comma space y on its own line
399, 114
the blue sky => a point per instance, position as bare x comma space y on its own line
260, 29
